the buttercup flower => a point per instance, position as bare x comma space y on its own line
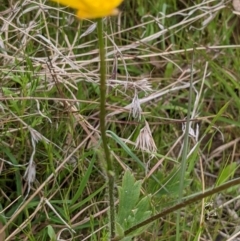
92, 8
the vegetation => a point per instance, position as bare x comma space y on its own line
172, 68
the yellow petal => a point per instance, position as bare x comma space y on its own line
96, 14
92, 8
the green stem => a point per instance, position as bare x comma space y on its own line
103, 88
183, 204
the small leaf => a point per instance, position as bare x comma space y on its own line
128, 197
142, 213
51, 233
143, 209
83, 182
119, 230
227, 173
132, 210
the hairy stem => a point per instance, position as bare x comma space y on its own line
110, 172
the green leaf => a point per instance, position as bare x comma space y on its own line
128, 197
142, 213
51, 233
119, 230
87, 199
83, 182
143, 209
227, 173
132, 210
18, 181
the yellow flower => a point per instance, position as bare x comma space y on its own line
92, 8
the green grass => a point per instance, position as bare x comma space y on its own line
50, 90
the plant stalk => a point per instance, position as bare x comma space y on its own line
103, 88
